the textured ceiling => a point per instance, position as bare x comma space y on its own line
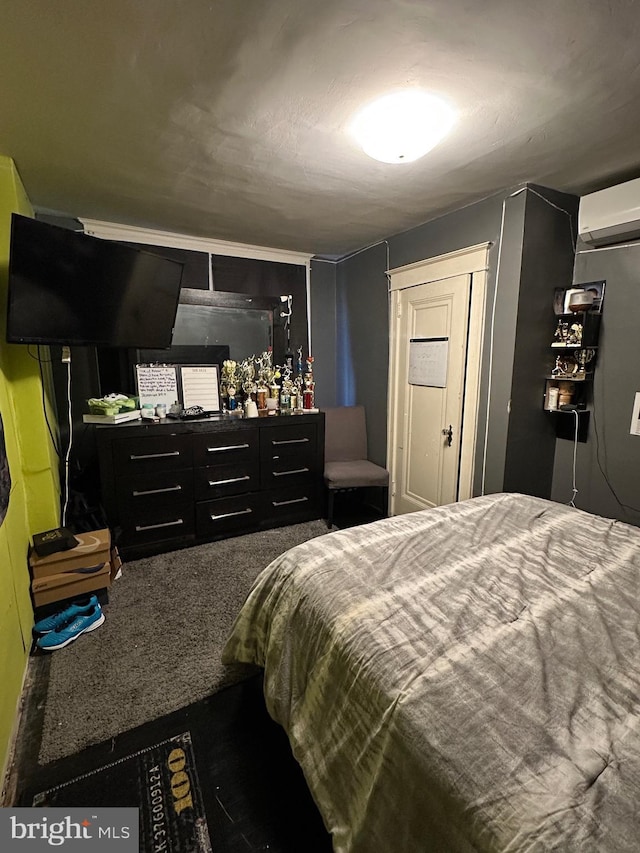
228, 119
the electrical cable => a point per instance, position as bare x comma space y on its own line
492, 329
387, 271
623, 506
562, 210
70, 442
286, 315
44, 410
38, 357
42, 361
575, 452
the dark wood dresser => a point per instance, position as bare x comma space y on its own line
173, 484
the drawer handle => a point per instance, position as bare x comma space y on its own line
227, 447
286, 503
290, 441
294, 471
134, 457
141, 527
230, 514
157, 491
231, 480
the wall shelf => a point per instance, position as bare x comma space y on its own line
566, 424
574, 348
569, 377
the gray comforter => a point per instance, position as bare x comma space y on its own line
463, 678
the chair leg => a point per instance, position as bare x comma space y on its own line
330, 509
385, 501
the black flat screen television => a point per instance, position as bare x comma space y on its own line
69, 288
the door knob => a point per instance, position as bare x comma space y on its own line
449, 434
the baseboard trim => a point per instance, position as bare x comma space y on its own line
30, 702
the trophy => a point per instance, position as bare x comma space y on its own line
308, 395
583, 357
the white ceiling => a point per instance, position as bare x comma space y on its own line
227, 118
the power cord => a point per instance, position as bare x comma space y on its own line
66, 359
572, 502
491, 344
623, 506
562, 210
42, 361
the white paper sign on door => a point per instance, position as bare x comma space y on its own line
428, 359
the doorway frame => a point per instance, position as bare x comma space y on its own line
472, 261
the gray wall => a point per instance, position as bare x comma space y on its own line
361, 360
363, 342
499, 349
536, 256
610, 453
546, 263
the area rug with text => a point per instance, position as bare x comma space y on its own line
215, 777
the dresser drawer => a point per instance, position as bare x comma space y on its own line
294, 470
222, 480
288, 456
148, 454
149, 525
281, 443
158, 489
227, 515
289, 505
225, 448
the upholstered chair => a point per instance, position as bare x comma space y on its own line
346, 465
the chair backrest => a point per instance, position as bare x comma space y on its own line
345, 434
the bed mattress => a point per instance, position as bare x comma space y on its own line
465, 678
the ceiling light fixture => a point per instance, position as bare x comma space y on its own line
403, 126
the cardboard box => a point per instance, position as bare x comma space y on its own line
94, 549
44, 610
70, 584
116, 563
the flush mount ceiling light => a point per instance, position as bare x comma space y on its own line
403, 126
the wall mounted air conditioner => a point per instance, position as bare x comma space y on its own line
611, 215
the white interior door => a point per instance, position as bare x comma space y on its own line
428, 419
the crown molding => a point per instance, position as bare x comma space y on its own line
152, 237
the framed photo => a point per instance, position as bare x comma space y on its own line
200, 385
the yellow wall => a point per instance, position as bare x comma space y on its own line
35, 490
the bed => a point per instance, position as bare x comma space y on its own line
465, 678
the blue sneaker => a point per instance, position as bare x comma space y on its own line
82, 624
59, 620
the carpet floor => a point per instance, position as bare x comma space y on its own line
159, 649
217, 775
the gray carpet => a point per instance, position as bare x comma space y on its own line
159, 649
